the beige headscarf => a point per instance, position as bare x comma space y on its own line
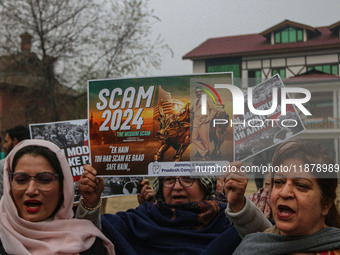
62, 235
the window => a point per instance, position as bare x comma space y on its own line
254, 77
288, 35
280, 71
327, 68
235, 68
277, 38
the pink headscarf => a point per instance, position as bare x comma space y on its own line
62, 235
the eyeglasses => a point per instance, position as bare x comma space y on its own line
169, 182
44, 181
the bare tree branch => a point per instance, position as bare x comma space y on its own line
78, 40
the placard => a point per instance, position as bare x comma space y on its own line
158, 126
72, 138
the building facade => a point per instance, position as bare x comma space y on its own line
304, 56
23, 99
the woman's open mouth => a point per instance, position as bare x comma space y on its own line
179, 199
284, 212
32, 206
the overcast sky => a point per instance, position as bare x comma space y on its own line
187, 23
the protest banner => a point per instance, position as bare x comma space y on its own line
255, 133
72, 137
159, 125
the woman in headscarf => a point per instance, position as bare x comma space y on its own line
36, 214
185, 219
302, 196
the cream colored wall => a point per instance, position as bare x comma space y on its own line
295, 61
322, 59
254, 64
296, 64
278, 62
199, 66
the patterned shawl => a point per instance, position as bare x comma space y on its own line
262, 199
